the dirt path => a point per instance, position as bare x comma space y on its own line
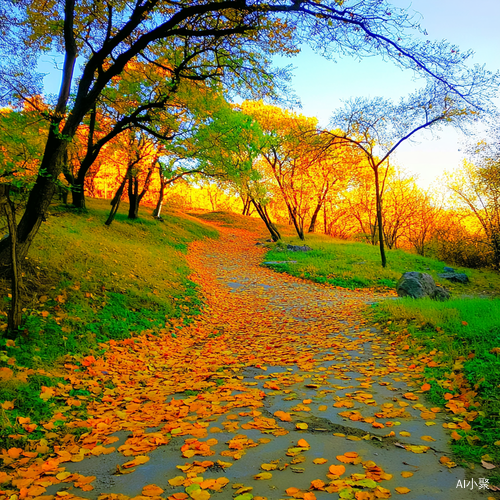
208, 406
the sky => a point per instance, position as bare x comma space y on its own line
322, 84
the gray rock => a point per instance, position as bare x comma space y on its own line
298, 248
419, 285
441, 294
455, 277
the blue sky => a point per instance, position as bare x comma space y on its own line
322, 84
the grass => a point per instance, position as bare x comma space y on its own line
465, 332
87, 283
350, 264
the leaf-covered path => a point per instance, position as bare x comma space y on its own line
279, 390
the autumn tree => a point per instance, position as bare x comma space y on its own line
379, 126
226, 147
303, 167
236, 37
477, 188
426, 216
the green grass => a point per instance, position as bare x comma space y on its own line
463, 349
464, 332
87, 283
353, 265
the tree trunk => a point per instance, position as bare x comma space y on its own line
312, 225
78, 196
159, 204
133, 198
379, 219
15, 311
39, 198
275, 235
115, 202
298, 228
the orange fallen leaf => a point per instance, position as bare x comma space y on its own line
337, 470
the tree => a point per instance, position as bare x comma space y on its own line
235, 37
379, 126
477, 188
21, 147
295, 155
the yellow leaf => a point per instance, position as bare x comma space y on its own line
427, 438
416, 449
402, 490
406, 473
200, 495
319, 461
177, 481
302, 426
63, 475
405, 434
268, 466
263, 475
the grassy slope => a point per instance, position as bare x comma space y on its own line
462, 348
357, 265
88, 283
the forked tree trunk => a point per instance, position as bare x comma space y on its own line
262, 211
115, 202
379, 219
312, 225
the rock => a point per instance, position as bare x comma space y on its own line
447, 269
419, 285
455, 277
298, 248
441, 294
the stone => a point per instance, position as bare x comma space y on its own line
420, 285
441, 294
455, 277
298, 248
447, 269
